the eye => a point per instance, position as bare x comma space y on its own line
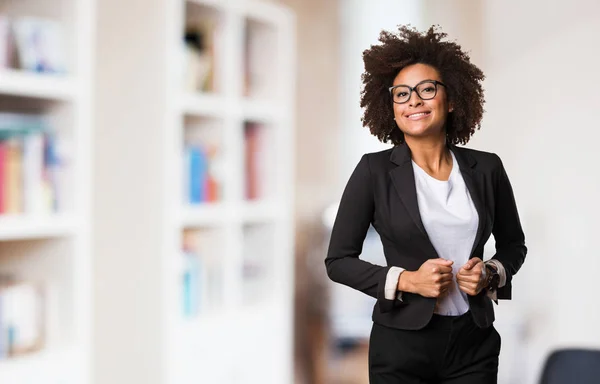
401, 94
428, 89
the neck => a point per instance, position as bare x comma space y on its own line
429, 153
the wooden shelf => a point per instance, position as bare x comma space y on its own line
22, 227
36, 85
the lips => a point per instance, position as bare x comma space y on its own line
418, 115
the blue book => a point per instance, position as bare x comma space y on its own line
191, 284
198, 163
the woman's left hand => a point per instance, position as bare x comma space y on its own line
470, 277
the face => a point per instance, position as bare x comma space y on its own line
417, 117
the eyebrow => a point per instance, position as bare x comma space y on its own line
412, 86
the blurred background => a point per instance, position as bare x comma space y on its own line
170, 169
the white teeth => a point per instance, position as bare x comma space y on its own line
417, 114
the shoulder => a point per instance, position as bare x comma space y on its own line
375, 159
485, 161
375, 163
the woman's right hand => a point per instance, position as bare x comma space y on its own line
432, 279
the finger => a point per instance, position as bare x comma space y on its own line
475, 270
438, 270
469, 264
469, 279
472, 262
444, 292
445, 286
467, 286
466, 272
443, 269
447, 277
441, 261
468, 291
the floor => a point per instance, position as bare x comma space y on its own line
350, 367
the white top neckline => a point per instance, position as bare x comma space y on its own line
452, 174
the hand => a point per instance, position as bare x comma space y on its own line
432, 279
470, 277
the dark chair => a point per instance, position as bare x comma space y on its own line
572, 366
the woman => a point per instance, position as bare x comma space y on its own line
434, 205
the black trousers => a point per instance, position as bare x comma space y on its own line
449, 350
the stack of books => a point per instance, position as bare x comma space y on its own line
30, 166
201, 176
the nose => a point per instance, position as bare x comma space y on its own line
414, 100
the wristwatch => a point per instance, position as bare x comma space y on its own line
492, 277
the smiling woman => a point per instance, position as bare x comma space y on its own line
434, 206
447, 63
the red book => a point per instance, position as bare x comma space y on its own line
252, 148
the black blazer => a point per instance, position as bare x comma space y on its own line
381, 192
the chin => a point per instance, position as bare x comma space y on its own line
421, 132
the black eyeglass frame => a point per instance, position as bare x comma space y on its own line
411, 89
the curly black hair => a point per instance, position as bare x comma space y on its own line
409, 46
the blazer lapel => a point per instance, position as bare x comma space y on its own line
475, 184
404, 182
403, 179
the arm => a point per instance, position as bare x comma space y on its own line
507, 231
354, 216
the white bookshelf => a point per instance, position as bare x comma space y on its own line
254, 315
146, 116
52, 249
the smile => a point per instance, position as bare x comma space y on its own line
418, 116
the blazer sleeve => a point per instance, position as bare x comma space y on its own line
507, 231
352, 221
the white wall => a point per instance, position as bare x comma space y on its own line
548, 139
362, 21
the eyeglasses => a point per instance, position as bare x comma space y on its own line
426, 90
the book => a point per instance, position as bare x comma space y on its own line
201, 271
259, 143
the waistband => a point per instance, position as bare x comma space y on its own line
441, 321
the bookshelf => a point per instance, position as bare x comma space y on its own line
194, 240
45, 163
250, 106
